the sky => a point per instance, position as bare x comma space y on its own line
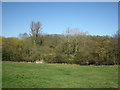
96, 18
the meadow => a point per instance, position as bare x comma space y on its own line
32, 75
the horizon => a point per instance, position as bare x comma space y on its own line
53, 34
57, 17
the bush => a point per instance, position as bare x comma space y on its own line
58, 59
78, 59
48, 58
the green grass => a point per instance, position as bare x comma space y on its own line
31, 75
0, 74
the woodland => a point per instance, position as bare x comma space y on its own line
71, 47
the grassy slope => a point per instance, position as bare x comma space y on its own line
25, 75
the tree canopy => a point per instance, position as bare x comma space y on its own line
74, 47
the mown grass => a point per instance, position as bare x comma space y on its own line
31, 75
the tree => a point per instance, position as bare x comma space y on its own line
72, 47
36, 35
24, 35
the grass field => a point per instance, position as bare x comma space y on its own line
31, 75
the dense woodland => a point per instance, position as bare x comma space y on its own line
72, 47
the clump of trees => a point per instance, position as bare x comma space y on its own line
73, 47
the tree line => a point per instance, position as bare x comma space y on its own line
72, 47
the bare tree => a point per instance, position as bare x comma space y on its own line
36, 29
23, 35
